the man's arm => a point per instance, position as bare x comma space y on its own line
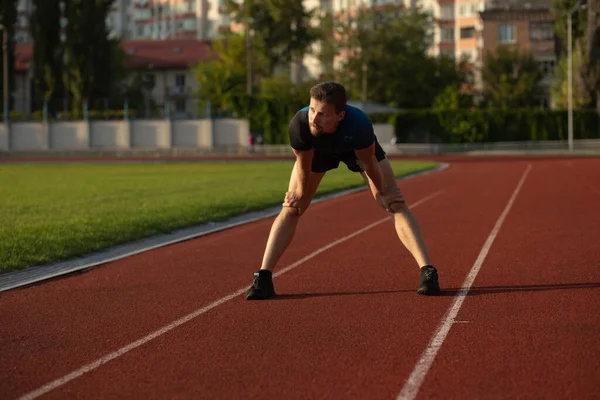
371, 167
303, 170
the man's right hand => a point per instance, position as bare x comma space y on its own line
295, 200
391, 200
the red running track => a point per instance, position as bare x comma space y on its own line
348, 322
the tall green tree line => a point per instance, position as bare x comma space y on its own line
8, 18
586, 53
87, 66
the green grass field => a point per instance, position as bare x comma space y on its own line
53, 212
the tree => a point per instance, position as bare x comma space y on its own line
8, 9
394, 50
223, 78
47, 51
586, 48
592, 70
281, 30
510, 78
94, 67
560, 90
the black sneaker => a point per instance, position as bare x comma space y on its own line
262, 286
429, 281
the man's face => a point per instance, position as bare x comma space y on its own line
323, 118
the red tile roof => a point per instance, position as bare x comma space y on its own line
165, 54
143, 54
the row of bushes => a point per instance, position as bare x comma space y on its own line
488, 125
271, 118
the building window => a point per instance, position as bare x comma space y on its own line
180, 80
447, 34
467, 32
541, 31
447, 12
506, 33
180, 105
547, 67
467, 9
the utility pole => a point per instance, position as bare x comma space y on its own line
365, 68
5, 69
247, 5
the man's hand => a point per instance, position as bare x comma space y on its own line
295, 200
391, 200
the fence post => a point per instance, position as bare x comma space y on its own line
167, 110
85, 110
45, 112
126, 110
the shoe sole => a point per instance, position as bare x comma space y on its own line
256, 296
429, 291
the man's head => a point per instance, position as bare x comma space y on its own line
326, 109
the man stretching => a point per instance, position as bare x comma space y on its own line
321, 135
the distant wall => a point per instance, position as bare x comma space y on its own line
204, 134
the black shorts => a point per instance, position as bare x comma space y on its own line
323, 162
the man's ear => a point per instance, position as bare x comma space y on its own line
342, 115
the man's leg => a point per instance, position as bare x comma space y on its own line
409, 232
284, 226
280, 237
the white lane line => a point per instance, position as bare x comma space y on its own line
416, 378
109, 357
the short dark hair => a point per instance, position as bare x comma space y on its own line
331, 93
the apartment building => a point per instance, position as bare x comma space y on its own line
456, 27
150, 19
527, 25
167, 19
311, 65
165, 66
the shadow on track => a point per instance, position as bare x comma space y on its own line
474, 291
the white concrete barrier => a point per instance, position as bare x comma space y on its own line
4, 137
110, 134
193, 133
230, 132
71, 135
29, 136
149, 134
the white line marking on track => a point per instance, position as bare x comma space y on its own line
416, 378
109, 357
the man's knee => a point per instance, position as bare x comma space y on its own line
398, 208
290, 212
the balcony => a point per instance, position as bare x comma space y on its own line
177, 91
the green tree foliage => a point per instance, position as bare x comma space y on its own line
223, 78
8, 18
560, 90
47, 51
586, 49
281, 30
511, 78
94, 61
394, 48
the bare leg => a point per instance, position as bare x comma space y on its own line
406, 224
284, 226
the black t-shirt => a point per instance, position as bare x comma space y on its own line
354, 132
